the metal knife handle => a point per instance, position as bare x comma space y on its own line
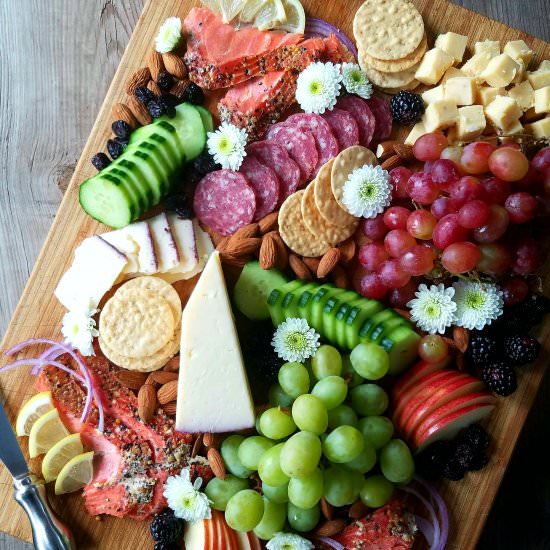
48, 532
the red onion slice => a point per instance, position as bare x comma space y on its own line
331, 542
322, 28
442, 508
433, 515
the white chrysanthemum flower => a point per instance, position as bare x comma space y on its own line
79, 329
227, 145
355, 80
289, 541
477, 304
433, 308
169, 35
367, 191
185, 499
295, 340
318, 87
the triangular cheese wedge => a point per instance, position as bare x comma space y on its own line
213, 393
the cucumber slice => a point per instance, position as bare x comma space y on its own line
253, 288
330, 310
402, 347
148, 167
165, 135
323, 294
275, 299
370, 324
292, 306
139, 177
340, 318
129, 180
357, 316
385, 328
189, 124
206, 117
305, 300
162, 160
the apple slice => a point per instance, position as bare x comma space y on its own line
254, 541
184, 235
197, 535
165, 245
244, 541
227, 535
413, 375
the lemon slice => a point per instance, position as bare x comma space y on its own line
295, 17
229, 9
59, 455
269, 15
45, 433
77, 473
250, 9
31, 411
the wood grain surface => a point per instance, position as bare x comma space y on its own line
56, 62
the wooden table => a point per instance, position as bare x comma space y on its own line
57, 59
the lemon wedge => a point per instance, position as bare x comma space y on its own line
228, 9
77, 473
31, 411
59, 455
45, 433
250, 9
295, 17
269, 15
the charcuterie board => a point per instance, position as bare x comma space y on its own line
39, 314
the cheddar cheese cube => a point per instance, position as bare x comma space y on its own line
440, 114
518, 49
453, 44
541, 77
500, 71
503, 112
452, 72
477, 64
471, 122
433, 66
418, 130
523, 94
542, 100
486, 94
539, 129
434, 94
461, 90
514, 128
490, 46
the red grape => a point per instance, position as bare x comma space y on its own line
460, 257
397, 242
527, 258
375, 228
511, 145
496, 190
392, 275
530, 181
521, 207
371, 255
448, 231
466, 189
474, 214
514, 291
495, 227
541, 161
400, 297
422, 189
475, 157
432, 348
420, 224
429, 146
454, 153
427, 169
444, 173
398, 179
429, 245
395, 217
371, 286
508, 164
441, 207
495, 259
417, 261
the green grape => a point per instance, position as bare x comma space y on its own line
331, 390
370, 361
377, 430
342, 415
364, 461
244, 510
276, 423
276, 494
396, 461
376, 491
341, 486
306, 492
294, 379
230, 454
252, 449
269, 467
219, 491
272, 521
257, 425
327, 361
349, 373
301, 519
369, 399
310, 414
343, 444
301, 454
278, 398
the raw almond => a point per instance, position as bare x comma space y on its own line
391, 163
168, 392
461, 362
139, 111
197, 445
174, 65
246, 232
358, 510
222, 244
300, 269
139, 79
216, 462
312, 264
170, 408
178, 89
330, 527
155, 63
122, 112
340, 277
153, 86
347, 251
163, 377
461, 337
327, 509
147, 402
449, 341
403, 151
328, 262
269, 223
131, 379
232, 260
268, 252
211, 440
243, 247
151, 380
282, 251
385, 150
173, 364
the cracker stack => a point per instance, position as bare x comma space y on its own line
391, 41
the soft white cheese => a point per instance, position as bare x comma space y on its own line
183, 232
165, 245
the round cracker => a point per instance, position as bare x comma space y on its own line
144, 364
294, 231
388, 29
412, 86
155, 284
325, 202
344, 164
333, 234
391, 80
365, 60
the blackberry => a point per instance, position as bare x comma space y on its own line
121, 129
407, 107
453, 470
500, 378
166, 546
522, 349
193, 94
481, 349
476, 437
144, 95
156, 108
465, 455
524, 316
204, 164
100, 161
179, 204
432, 461
166, 528
115, 148
479, 461
165, 80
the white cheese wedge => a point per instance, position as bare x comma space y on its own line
490, 46
453, 44
95, 268
542, 100
433, 65
518, 49
541, 77
523, 94
165, 246
500, 71
213, 391
471, 122
419, 129
184, 235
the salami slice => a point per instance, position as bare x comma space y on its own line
327, 145
274, 156
300, 145
265, 183
224, 201
380, 108
343, 127
360, 111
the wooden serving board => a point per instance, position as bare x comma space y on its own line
39, 313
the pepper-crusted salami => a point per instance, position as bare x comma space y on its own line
224, 201
380, 108
265, 183
343, 127
360, 111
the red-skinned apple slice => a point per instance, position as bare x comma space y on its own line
232, 542
254, 541
413, 375
244, 541
197, 535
